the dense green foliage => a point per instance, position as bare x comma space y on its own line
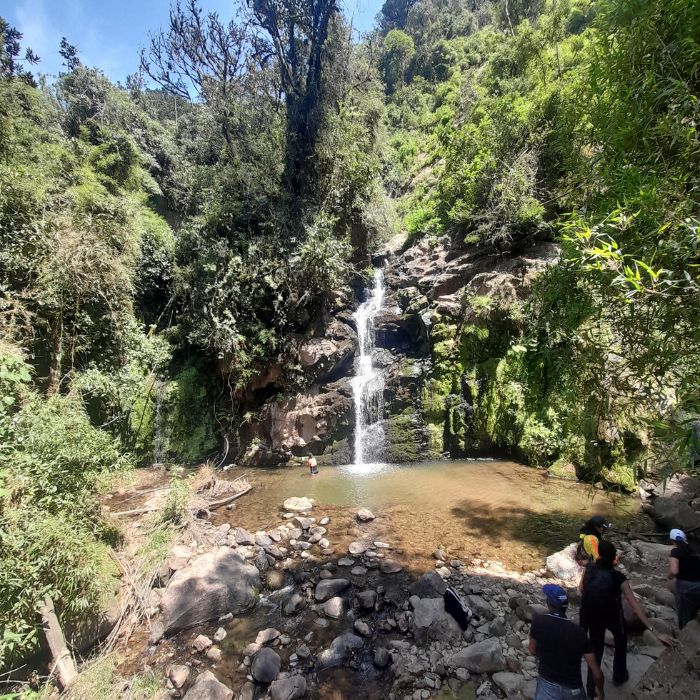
507, 118
160, 248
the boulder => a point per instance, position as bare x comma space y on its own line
563, 565
330, 587
429, 585
214, 654
432, 623
266, 665
178, 675
206, 687
389, 566
509, 683
262, 539
266, 636
334, 607
213, 585
381, 657
653, 554
356, 548
201, 643
367, 599
482, 657
295, 600
673, 512
338, 650
290, 688
243, 537
364, 515
662, 596
298, 505
362, 628
247, 691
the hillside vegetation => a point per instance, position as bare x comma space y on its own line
161, 242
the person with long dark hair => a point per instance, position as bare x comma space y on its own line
684, 567
590, 535
602, 589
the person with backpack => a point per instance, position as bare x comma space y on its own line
602, 590
684, 567
590, 535
559, 645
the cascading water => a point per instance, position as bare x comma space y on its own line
158, 424
368, 382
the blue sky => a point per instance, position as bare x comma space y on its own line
109, 33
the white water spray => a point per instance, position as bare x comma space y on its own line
368, 382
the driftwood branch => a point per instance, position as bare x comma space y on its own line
62, 666
210, 505
228, 499
138, 511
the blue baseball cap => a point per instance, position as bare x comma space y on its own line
555, 595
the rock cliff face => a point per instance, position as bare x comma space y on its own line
439, 303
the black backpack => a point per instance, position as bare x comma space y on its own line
456, 607
601, 596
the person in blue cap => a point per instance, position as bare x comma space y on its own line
559, 645
684, 567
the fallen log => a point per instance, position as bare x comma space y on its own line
62, 666
211, 505
228, 499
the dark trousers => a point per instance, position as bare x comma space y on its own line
688, 601
596, 626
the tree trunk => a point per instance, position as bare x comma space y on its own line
62, 666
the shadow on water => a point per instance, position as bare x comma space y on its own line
548, 531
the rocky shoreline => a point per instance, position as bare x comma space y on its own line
356, 610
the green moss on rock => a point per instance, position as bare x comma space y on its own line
401, 443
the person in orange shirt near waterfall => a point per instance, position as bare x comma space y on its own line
312, 464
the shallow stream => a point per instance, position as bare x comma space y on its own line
475, 508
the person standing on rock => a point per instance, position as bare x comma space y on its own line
560, 643
602, 589
684, 567
312, 464
590, 535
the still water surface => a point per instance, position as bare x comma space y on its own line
490, 509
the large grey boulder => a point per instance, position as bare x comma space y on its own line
482, 657
298, 505
672, 511
509, 683
432, 623
334, 607
243, 537
214, 584
429, 585
206, 687
291, 688
563, 565
329, 588
338, 650
266, 665
653, 554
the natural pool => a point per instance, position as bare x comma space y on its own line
475, 508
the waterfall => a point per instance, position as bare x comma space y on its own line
158, 424
368, 382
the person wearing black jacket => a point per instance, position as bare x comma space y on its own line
684, 567
602, 589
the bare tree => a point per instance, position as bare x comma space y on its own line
296, 34
200, 57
